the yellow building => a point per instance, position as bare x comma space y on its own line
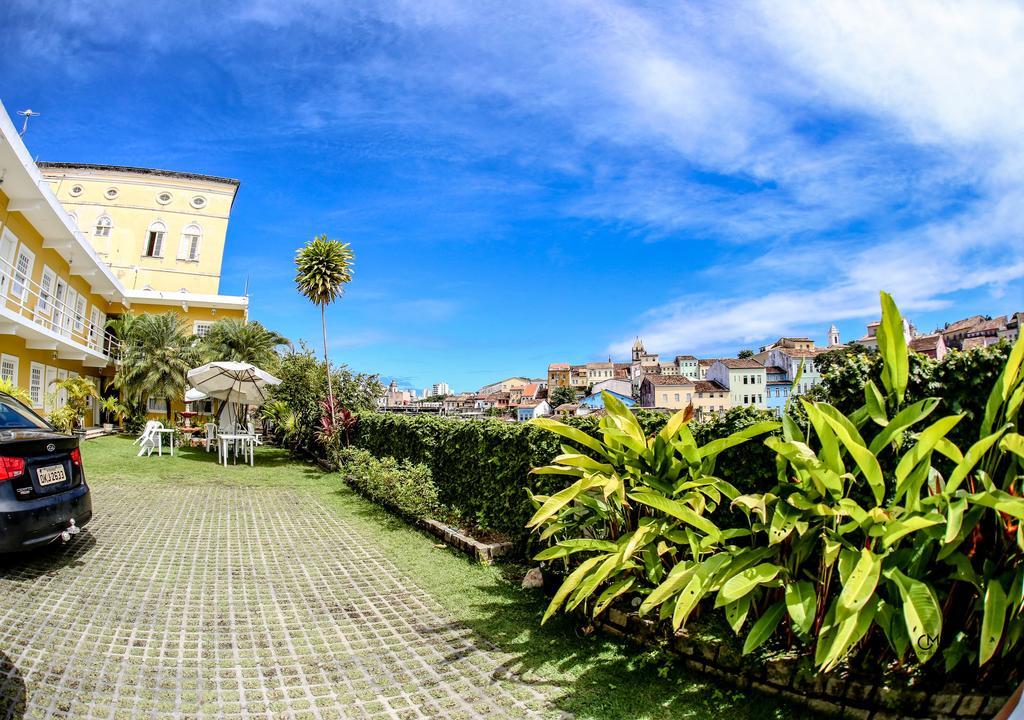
58, 285
156, 229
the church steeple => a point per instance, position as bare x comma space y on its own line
638, 349
833, 336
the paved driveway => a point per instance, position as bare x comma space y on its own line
238, 603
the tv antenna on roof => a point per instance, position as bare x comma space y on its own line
30, 113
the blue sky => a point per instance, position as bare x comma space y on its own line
532, 182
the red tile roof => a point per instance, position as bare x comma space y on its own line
710, 386
741, 364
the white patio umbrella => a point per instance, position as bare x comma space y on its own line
193, 395
236, 382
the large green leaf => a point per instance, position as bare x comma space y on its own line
571, 433
874, 401
570, 584
899, 528
801, 601
904, 419
921, 613
992, 620
892, 345
562, 498
1008, 380
854, 444
764, 627
745, 582
736, 613
568, 547
676, 580
675, 509
697, 587
973, 456
860, 585
926, 441
838, 640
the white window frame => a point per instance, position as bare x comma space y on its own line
160, 229
205, 324
103, 229
81, 305
59, 302
12, 362
95, 323
191, 240
21, 279
68, 317
8, 248
36, 388
47, 284
62, 396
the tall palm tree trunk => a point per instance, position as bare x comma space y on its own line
327, 363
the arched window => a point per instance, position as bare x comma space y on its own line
155, 240
191, 236
103, 226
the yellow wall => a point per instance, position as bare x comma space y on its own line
12, 345
132, 213
201, 314
28, 236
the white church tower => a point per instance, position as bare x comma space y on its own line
833, 336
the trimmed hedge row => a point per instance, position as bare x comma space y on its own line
481, 467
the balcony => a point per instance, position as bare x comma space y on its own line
46, 322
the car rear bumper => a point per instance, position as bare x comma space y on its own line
28, 524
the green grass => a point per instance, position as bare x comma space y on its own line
591, 677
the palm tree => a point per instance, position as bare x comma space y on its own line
323, 267
243, 341
156, 354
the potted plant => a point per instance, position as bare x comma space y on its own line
113, 409
78, 390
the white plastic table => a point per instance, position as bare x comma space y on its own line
160, 440
245, 438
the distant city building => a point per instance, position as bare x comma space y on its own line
530, 409
558, 375
933, 346
441, 388
595, 401
745, 379
504, 385
615, 385
833, 336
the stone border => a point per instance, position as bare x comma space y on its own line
833, 693
486, 553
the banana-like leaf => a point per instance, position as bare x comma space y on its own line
697, 587
801, 601
568, 547
904, 420
1004, 502
716, 447
847, 633
612, 563
582, 461
1008, 381
611, 592
926, 441
671, 429
676, 580
1013, 443
784, 519
563, 497
859, 587
570, 584
892, 345
829, 452
736, 613
571, 433
993, 620
854, 444
764, 627
557, 470
921, 613
900, 528
745, 582
623, 418
954, 519
874, 401
675, 509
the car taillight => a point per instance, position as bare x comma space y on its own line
11, 467
76, 457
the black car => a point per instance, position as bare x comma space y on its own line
43, 495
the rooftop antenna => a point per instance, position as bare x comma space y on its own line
30, 113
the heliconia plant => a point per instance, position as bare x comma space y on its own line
875, 520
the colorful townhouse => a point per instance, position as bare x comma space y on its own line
745, 379
65, 269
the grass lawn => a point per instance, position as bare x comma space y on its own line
593, 677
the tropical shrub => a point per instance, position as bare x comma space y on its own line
78, 390
9, 388
882, 541
481, 466
406, 488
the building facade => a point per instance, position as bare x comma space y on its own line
57, 289
745, 379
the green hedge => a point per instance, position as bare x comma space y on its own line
405, 487
481, 467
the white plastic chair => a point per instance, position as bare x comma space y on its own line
211, 436
147, 441
257, 440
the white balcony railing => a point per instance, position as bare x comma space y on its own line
29, 300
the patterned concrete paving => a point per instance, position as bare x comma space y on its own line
201, 602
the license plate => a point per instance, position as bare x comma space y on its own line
51, 475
